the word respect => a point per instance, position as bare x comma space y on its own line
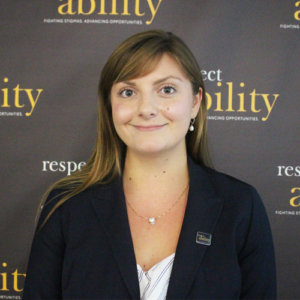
62, 166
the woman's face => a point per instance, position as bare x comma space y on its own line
152, 113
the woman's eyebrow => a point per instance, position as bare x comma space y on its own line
131, 83
128, 83
167, 78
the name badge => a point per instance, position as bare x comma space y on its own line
203, 238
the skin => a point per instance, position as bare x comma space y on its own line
152, 115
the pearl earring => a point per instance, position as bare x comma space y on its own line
192, 128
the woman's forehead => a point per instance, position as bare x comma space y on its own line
162, 66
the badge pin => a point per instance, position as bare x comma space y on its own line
203, 238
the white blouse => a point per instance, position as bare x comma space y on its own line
154, 282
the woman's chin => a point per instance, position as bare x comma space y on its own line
149, 149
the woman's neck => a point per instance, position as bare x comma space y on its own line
161, 171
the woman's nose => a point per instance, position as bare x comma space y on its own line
147, 106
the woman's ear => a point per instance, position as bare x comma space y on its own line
197, 102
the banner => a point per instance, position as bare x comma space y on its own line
52, 52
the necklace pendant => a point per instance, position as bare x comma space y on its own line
152, 220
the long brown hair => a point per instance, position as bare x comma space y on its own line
133, 58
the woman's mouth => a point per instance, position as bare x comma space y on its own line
148, 127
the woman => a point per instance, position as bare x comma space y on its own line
147, 218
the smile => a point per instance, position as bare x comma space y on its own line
148, 128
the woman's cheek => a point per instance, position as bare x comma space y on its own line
122, 113
176, 110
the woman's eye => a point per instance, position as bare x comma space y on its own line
168, 90
126, 93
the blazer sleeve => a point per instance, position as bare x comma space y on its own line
257, 259
44, 270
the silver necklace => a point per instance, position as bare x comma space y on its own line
153, 220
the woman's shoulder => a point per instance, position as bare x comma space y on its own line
233, 191
240, 200
61, 202
226, 181
57, 194
219, 181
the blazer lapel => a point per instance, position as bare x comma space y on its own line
110, 207
202, 211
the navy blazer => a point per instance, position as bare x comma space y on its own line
225, 248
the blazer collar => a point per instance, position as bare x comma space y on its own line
110, 207
202, 211
201, 215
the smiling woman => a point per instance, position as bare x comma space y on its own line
147, 218
161, 103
